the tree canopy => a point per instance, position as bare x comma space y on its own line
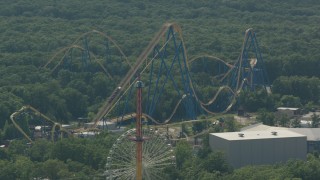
36, 33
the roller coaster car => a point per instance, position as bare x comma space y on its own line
114, 94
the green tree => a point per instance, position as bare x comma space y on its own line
206, 149
296, 123
199, 126
52, 169
315, 120
18, 147
290, 101
101, 85
7, 170
40, 150
305, 169
231, 124
4, 154
76, 102
205, 175
216, 161
24, 167
261, 172
183, 152
266, 117
8, 104
254, 100
283, 120
11, 132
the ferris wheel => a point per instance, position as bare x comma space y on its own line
157, 154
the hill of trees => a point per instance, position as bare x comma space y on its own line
32, 31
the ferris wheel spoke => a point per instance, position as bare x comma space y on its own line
156, 175
125, 147
122, 165
157, 154
130, 175
115, 174
153, 146
121, 168
123, 176
160, 165
163, 155
160, 162
160, 156
122, 159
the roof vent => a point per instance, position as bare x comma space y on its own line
241, 134
274, 133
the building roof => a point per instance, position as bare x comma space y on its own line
101, 123
287, 108
250, 135
313, 134
262, 127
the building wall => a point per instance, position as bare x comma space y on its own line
313, 146
240, 153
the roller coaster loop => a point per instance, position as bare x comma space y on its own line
86, 53
167, 65
54, 124
240, 74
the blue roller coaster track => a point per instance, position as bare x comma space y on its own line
167, 72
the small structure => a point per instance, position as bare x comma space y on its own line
259, 147
305, 124
87, 134
241, 111
289, 112
102, 125
66, 126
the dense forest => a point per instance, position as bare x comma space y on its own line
33, 31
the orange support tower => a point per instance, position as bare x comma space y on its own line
139, 138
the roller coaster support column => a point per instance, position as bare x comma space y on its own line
139, 137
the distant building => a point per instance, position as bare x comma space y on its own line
87, 134
289, 112
102, 125
259, 147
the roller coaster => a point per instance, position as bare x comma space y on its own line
167, 72
43, 122
81, 54
166, 63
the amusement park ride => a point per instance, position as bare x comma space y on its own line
162, 65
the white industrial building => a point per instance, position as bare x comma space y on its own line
259, 147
